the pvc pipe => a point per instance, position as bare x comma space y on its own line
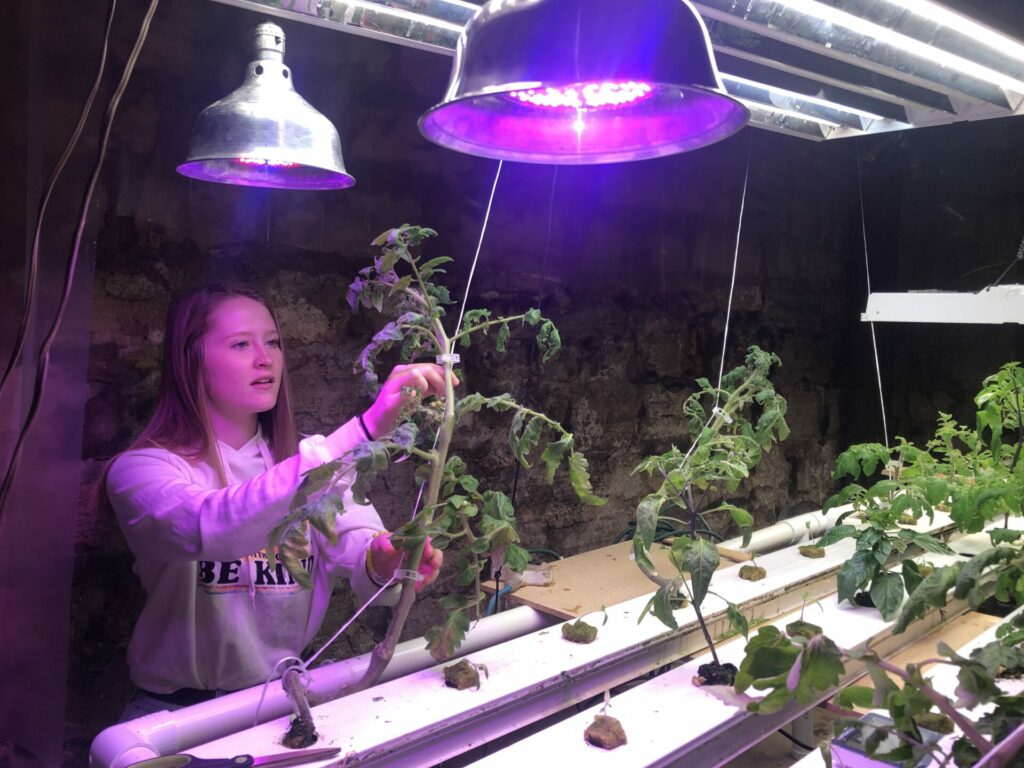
790, 531
168, 733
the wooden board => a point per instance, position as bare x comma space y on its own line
956, 633
585, 583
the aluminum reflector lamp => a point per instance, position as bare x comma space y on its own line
583, 81
264, 134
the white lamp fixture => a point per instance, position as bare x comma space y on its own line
264, 134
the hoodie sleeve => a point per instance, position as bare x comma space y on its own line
168, 512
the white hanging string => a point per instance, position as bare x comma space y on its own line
867, 275
479, 245
728, 309
465, 300
732, 281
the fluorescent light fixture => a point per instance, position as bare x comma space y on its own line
965, 26
769, 110
998, 305
419, 18
908, 44
800, 97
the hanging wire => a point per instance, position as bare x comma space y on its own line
69, 275
732, 281
33, 270
732, 287
479, 245
867, 275
462, 309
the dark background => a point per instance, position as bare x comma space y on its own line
631, 261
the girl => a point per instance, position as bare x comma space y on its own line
199, 490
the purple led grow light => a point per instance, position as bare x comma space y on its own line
262, 161
585, 95
583, 81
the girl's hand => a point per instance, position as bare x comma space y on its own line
386, 559
428, 378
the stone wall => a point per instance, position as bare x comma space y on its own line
632, 262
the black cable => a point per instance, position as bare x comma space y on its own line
33, 267
44, 350
796, 741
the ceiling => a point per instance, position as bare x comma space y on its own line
816, 69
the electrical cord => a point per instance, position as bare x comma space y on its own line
44, 350
796, 741
867, 275
33, 268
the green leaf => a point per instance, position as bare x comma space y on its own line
443, 640
579, 477
548, 341
499, 403
517, 558
838, 533
404, 436
503, 336
911, 575
881, 682
930, 544
770, 655
430, 267
975, 687
855, 573
661, 606
647, 512
1004, 535
996, 657
554, 453
699, 559
971, 571
532, 317
469, 404
737, 620
887, 594
856, 696
529, 439
641, 557
930, 593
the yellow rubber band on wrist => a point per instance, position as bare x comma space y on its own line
371, 571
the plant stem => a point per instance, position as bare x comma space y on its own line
481, 326
703, 624
965, 725
385, 649
1004, 751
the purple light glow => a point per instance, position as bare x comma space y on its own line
585, 95
251, 161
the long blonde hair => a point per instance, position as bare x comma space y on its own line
180, 422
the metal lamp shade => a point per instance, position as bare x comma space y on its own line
264, 134
583, 81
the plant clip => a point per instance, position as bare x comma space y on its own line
717, 411
404, 573
452, 357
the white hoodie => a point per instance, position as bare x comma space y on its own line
216, 616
